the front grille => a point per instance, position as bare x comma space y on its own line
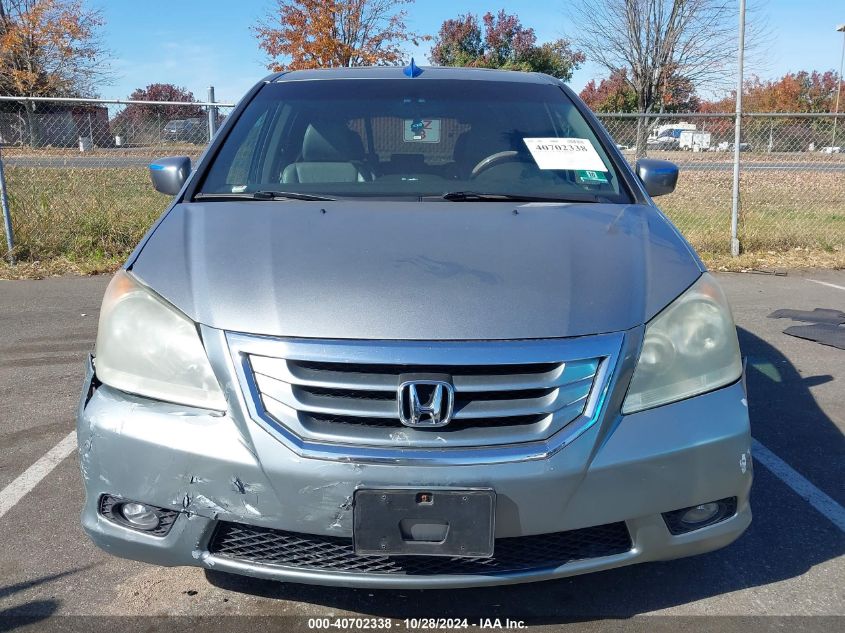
332, 553
338, 401
517, 420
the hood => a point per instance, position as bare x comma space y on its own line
416, 270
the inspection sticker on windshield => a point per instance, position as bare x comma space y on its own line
565, 153
590, 177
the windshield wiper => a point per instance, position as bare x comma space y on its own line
474, 196
262, 195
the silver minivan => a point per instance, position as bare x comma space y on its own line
417, 327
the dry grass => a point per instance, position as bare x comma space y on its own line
772, 261
779, 210
87, 221
59, 266
165, 148
81, 216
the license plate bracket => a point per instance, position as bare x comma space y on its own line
424, 522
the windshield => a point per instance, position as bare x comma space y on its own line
414, 139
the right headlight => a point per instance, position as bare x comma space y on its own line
689, 348
147, 347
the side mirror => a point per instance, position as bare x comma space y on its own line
169, 174
658, 176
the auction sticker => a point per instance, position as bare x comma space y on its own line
565, 153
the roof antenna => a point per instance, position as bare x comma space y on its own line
412, 70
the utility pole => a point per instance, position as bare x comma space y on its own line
212, 114
840, 28
7, 214
738, 134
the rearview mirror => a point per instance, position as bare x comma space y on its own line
658, 176
169, 174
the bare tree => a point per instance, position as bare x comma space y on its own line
658, 40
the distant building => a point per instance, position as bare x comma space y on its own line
54, 124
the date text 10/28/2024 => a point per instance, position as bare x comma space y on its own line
415, 624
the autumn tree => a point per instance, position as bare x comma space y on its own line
656, 40
612, 94
616, 94
802, 92
335, 33
505, 43
138, 119
50, 48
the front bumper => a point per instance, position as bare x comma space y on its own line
206, 467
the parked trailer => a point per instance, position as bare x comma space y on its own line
694, 140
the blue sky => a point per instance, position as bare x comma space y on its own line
196, 43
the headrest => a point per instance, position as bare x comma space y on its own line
331, 141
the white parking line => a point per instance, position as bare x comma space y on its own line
827, 283
29, 478
795, 480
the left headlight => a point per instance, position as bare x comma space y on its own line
689, 348
147, 347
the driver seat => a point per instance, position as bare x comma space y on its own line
331, 152
473, 146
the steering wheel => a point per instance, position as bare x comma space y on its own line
492, 160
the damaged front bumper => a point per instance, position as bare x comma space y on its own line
213, 472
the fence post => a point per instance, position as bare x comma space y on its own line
7, 214
738, 136
212, 114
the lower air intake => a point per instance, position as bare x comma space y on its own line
335, 554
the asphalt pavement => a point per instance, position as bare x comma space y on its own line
789, 563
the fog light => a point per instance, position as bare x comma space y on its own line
143, 517
139, 515
700, 514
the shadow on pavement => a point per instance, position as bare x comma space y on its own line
785, 540
35, 611
27, 614
10, 590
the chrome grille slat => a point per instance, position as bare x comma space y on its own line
511, 382
345, 393
293, 372
300, 400
478, 410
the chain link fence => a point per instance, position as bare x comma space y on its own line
76, 170
792, 177
77, 181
